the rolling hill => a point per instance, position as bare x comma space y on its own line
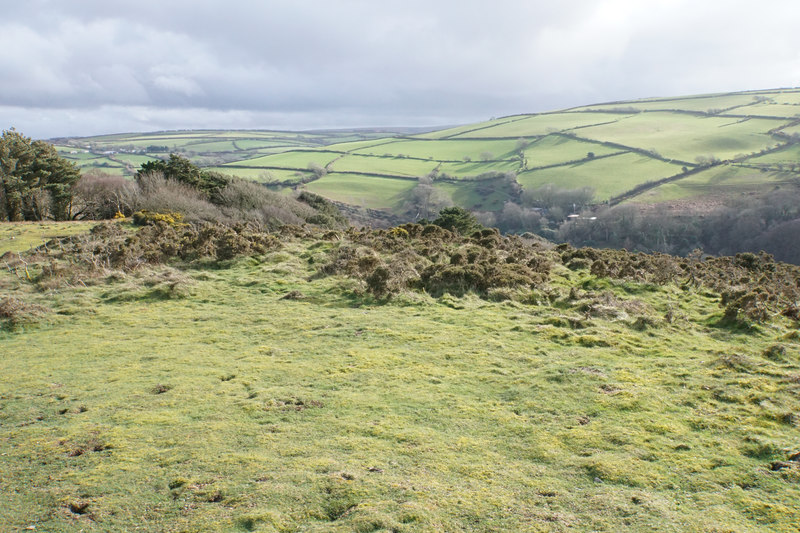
651, 151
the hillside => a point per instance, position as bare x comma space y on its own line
653, 150
123, 154
199, 378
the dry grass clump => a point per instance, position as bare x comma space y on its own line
15, 312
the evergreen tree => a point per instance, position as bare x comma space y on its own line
35, 182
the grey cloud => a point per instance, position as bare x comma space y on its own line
299, 64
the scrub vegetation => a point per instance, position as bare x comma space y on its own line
428, 377
679, 162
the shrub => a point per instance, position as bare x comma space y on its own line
457, 219
144, 217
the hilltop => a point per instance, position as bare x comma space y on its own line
196, 377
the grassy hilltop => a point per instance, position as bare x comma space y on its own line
209, 378
653, 151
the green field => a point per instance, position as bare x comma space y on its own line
198, 398
135, 160
446, 150
264, 175
458, 130
683, 137
473, 169
554, 150
609, 176
787, 156
21, 236
702, 103
716, 183
541, 125
373, 192
386, 166
479, 195
648, 139
206, 145
295, 159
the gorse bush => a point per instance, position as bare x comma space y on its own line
109, 247
141, 218
438, 261
752, 287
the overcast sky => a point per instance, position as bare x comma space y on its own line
84, 67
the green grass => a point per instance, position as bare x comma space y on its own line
789, 155
684, 137
392, 166
772, 109
266, 144
542, 125
292, 159
134, 159
683, 130
787, 97
446, 150
716, 183
609, 176
702, 103
231, 409
554, 149
452, 132
262, 175
21, 236
479, 196
374, 192
353, 146
791, 130
212, 146
472, 169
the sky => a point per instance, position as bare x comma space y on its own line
87, 67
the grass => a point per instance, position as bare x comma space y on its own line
458, 130
685, 131
203, 146
773, 110
555, 149
479, 196
685, 137
609, 176
472, 169
445, 150
213, 146
263, 175
541, 125
791, 130
133, 159
390, 166
715, 182
21, 236
294, 159
790, 155
701, 103
232, 409
375, 192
